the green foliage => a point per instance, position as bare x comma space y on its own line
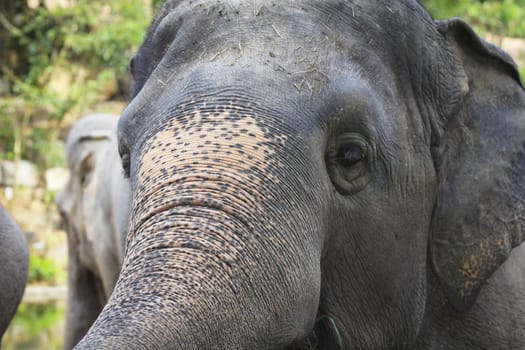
446, 8
500, 17
44, 139
36, 326
43, 269
107, 41
66, 59
34, 317
157, 3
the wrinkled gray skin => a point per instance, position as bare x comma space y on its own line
299, 167
95, 208
14, 260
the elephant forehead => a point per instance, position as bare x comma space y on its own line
225, 141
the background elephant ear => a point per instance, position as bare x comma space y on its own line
480, 160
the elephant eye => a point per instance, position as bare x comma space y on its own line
350, 154
347, 162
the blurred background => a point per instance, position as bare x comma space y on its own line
61, 59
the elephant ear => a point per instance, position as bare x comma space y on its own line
480, 162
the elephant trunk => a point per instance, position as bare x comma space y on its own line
171, 288
211, 262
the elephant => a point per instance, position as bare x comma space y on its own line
14, 261
94, 206
319, 175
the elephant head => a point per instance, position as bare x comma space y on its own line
298, 170
95, 208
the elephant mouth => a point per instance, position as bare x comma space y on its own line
325, 335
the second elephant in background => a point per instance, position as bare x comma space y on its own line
95, 208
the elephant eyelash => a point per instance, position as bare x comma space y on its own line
343, 159
348, 154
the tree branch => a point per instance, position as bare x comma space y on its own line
10, 27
